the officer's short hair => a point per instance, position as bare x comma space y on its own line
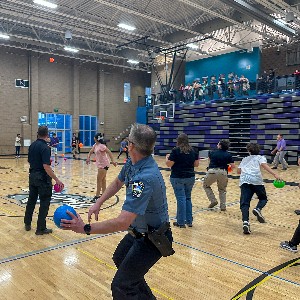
143, 137
224, 144
253, 148
43, 131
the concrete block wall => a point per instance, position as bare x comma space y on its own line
206, 124
71, 86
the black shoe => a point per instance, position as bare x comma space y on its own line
45, 231
260, 217
177, 225
297, 212
212, 204
189, 225
274, 168
27, 227
246, 227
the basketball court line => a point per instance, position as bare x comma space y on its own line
80, 241
238, 263
249, 288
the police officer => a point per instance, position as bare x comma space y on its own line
217, 172
40, 184
145, 208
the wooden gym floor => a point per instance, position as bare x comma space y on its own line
213, 260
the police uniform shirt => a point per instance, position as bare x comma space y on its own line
219, 159
145, 193
38, 154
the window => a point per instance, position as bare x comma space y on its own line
60, 124
127, 92
87, 129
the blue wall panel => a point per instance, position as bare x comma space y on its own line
141, 115
223, 64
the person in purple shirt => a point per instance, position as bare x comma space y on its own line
280, 151
54, 141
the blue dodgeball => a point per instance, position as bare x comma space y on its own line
61, 213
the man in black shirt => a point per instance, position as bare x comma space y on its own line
220, 159
40, 184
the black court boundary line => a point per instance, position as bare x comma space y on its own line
253, 284
238, 263
80, 241
51, 217
56, 247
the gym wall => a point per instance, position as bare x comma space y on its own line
67, 84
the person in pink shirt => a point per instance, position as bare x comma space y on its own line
103, 158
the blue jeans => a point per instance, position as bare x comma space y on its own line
183, 193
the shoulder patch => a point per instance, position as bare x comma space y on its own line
137, 188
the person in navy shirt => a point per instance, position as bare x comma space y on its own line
54, 142
40, 184
145, 208
123, 148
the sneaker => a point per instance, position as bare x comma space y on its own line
246, 227
177, 225
189, 225
94, 200
213, 204
274, 168
56, 163
223, 208
257, 213
284, 169
27, 227
297, 212
287, 246
42, 232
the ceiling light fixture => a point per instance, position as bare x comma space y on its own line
192, 46
125, 26
132, 61
4, 36
45, 3
70, 49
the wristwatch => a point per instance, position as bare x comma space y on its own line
87, 229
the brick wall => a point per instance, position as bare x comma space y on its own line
271, 58
66, 84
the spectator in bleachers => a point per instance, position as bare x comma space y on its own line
245, 86
182, 161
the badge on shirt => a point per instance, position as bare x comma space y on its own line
137, 188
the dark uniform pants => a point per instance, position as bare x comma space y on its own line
133, 258
39, 185
296, 238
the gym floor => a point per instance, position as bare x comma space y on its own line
213, 259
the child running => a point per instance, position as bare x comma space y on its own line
251, 182
103, 158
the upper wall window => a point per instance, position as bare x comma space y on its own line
126, 92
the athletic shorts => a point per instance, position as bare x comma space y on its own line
53, 150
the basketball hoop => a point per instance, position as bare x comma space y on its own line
160, 119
